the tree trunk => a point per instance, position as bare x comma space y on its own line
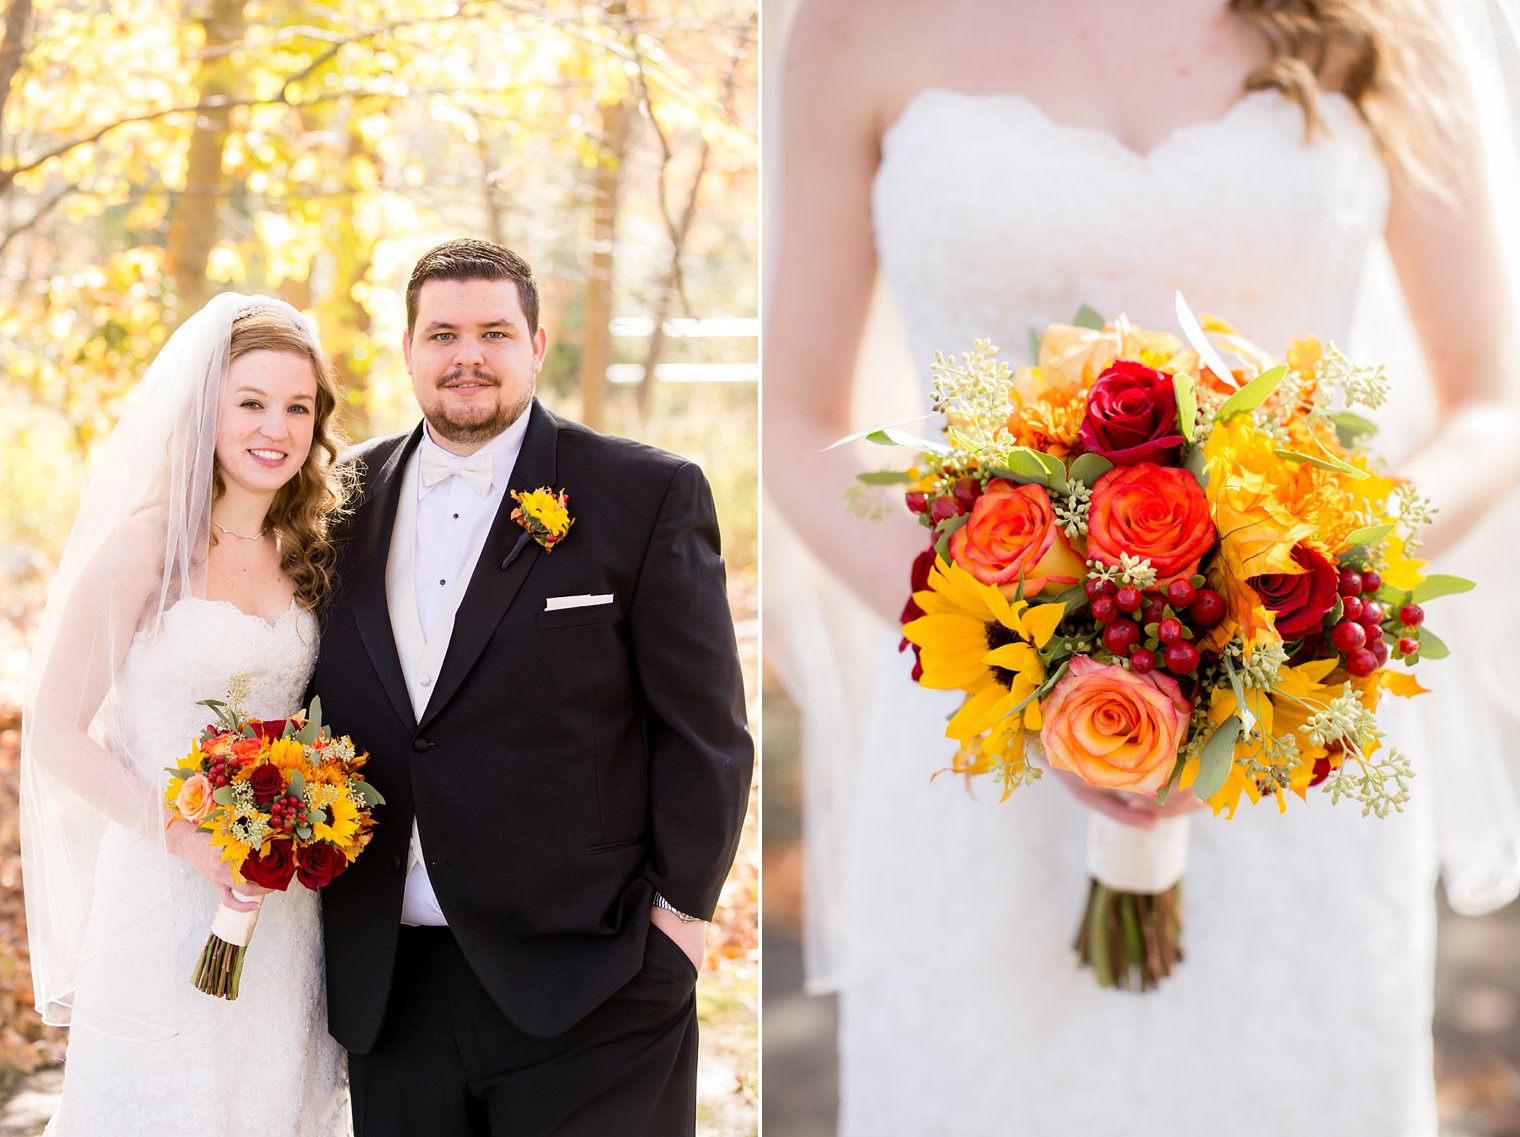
18, 22
596, 351
193, 227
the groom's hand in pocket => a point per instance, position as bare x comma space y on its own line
690, 937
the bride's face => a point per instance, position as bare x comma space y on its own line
268, 413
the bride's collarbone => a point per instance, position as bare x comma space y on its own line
250, 578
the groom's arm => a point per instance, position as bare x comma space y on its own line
701, 756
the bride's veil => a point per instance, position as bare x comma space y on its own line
137, 546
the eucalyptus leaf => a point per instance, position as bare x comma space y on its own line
1349, 428
891, 436
314, 713
222, 795
1216, 758
297, 784
367, 793
308, 733
1369, 534
1243, 712
1193, 332
1196, 464
1440, 584
862, 434
303, 832
1432, 646
1024, 463
1088, 468
1253, 394
1329, 462
1089, 317
1184, 390
1171, 783
944, 529
883, 477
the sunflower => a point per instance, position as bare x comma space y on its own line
342, 823
972, 638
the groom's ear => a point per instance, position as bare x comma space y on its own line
406, 348
540, 346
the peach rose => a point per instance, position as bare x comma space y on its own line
1012, 531
1115, 729
1154, 512
194, 798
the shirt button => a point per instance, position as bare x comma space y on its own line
427, 681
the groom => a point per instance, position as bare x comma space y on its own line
557, 726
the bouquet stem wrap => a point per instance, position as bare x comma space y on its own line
220, 966
1131, 933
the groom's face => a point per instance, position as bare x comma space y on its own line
472, 359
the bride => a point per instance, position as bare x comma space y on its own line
1002, 164
196, 566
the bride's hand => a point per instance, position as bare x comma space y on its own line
1128, 808
195, 848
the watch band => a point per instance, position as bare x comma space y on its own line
661, 902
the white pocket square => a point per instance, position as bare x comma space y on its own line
585, 600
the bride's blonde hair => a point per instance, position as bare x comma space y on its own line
305, 507
1387, 56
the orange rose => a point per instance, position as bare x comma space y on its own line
1154, 512
1012, 531
1114, 729
194, 798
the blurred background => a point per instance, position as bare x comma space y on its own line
153, 154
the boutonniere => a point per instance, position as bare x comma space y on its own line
544, 514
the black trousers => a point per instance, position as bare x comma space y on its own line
449, 1064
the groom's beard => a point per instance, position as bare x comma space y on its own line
475, 429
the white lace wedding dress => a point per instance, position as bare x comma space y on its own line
1303, 1007
148, 1054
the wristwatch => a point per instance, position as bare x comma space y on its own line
661, 902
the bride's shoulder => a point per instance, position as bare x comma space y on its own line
848, 58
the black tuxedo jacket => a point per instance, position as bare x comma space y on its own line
570, 763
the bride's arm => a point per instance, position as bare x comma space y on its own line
1461, 299
820, 290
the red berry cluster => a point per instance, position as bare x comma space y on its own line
1359, 636
1124, 613
222, 768
286, 812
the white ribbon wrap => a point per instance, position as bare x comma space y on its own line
1129, 859
235, 928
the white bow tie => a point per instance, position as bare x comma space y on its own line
475, 469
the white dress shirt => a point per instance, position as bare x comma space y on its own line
439, 533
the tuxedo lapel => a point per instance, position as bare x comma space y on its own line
505, 561
366, 584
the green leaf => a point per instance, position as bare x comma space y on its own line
1253, 394
1369, 534
222, 796
1329, 462
366, 793
891, 436
1440, 584
314, 713
1184, 390
1246, 715
1196, 464
303, 832
1171, 783
1349, 428
1023, 463
297, 784
1216, 758
1088, 468
883, 477
945, 528
878, 430
308, 733
1432, 646
1089, 317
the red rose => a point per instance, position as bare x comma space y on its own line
318, 864
1012, 533
272, 866
269, 729
1300, 599
1132, 416
268, 783
1154, 512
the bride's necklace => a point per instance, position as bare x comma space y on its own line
240, 536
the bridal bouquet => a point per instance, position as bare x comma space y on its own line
282, 799
1164, 573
